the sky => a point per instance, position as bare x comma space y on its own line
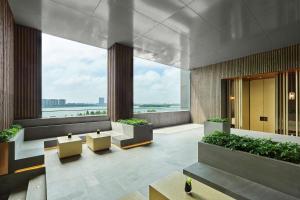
78, 73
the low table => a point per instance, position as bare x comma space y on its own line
69, 146
172, 188
97, 142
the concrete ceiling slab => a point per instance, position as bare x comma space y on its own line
181, 33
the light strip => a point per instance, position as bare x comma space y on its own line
137, 145
287, 103
297, 101
29, 168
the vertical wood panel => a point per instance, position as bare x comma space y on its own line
206, 80
6, 77
120, 82
27, 73
6, 65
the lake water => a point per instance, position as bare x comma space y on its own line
97, 110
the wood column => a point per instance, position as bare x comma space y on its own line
6, 65
6, 77
120, 82
28, 91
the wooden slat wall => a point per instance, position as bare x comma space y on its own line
120, 82
206, 80
28, 48
6, 65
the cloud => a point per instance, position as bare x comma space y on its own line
155, 83
78, 73
73, 71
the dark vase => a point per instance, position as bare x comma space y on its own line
188, 187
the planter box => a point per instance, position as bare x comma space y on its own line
143, 132
131, 134
7, 153
210, 127
276, 174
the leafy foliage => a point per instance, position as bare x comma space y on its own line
286, 151
189, 181
217, 119
134, 121
7, 134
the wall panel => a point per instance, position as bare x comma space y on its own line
6, 65
206, 80
27, 73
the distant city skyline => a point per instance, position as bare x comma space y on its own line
78, 73
101, 102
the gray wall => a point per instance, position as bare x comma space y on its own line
54, 127
58, 121
163, 119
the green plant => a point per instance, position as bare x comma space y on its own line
217, 119
286, 151
151, 110
189, 181
134, 121
9, 133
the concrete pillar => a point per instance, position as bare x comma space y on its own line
185, 89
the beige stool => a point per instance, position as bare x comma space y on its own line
97, 142
69, 146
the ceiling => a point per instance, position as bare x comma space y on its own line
182, 33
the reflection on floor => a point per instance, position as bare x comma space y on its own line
112, 174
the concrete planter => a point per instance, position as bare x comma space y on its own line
276, 174
143, 132
131, 135
7, 153
210, 127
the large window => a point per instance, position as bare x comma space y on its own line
160, 88
74, 78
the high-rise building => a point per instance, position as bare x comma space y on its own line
61, 102
53, 102
101, 101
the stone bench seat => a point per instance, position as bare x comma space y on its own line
25, 154
233, 185
123, 140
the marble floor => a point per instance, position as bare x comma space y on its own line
112, 174
115, 173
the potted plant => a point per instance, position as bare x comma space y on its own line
188, 185
69, 135
216, 124
7, 142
